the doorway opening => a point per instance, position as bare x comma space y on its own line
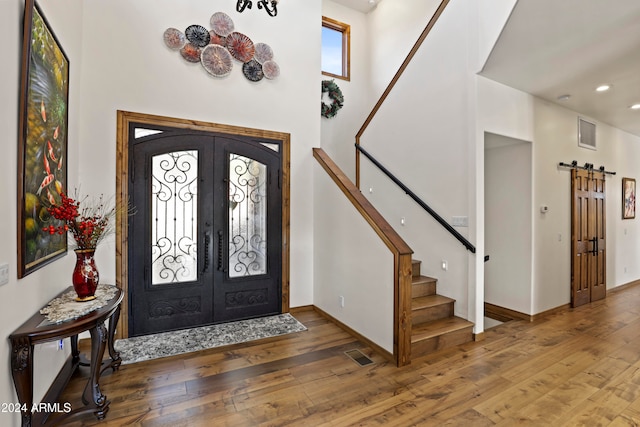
209, 241
508, 227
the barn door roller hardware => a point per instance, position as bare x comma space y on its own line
587, 166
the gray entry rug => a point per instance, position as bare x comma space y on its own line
164, 344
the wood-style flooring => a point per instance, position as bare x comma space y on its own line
579, 367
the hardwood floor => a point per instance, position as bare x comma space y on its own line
579, 367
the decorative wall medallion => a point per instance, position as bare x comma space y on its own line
216, 60
263, 53
240, 47
174, 38
271, 69
222, 24
190, 52
215, 47
253, 70
197, 35
217, 39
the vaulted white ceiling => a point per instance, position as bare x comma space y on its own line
554, 48
364, 6
551, 48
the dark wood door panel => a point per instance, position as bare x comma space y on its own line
588, 237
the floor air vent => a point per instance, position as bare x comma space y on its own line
358, 357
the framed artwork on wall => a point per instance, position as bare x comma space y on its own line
42, 141
628, 198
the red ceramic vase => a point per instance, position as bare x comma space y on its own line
85, 275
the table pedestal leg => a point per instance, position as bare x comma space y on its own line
92, 394
115, 356
22, 371
75, 353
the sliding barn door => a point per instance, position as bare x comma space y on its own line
588, 243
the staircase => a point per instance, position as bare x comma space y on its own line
434, 327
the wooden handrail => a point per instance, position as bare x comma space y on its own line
467, 244
390, 237
395, 79
398, 247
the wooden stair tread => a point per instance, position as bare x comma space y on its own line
430, 301
438, 327
422, 279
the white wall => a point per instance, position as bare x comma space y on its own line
128, 67
21, 298
350, 260
421, 134
555, 140
553, 132
380, 41
508, 222
394, 27
338, 133
119, 61
508, 113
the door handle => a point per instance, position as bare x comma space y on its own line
220, 260
594, 249
207, 242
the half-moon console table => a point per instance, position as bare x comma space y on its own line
38, 330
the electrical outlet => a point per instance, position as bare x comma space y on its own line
341, 301
4, 273
444, 264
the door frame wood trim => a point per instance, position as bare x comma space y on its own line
124, 118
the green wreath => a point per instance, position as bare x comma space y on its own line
336, 97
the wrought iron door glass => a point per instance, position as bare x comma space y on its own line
247, 217
174, 201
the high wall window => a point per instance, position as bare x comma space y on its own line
335, 48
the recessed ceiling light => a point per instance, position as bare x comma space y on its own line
563, 97
635, 107
603, 88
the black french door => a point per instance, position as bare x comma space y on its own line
205, 244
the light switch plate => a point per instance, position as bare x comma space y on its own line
460, 221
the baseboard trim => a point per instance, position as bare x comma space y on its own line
384, 353
564, 307
623, 287
503, 314
300, 309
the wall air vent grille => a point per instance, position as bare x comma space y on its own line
586, 134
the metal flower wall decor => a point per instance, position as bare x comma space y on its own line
270, 6
217, 48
